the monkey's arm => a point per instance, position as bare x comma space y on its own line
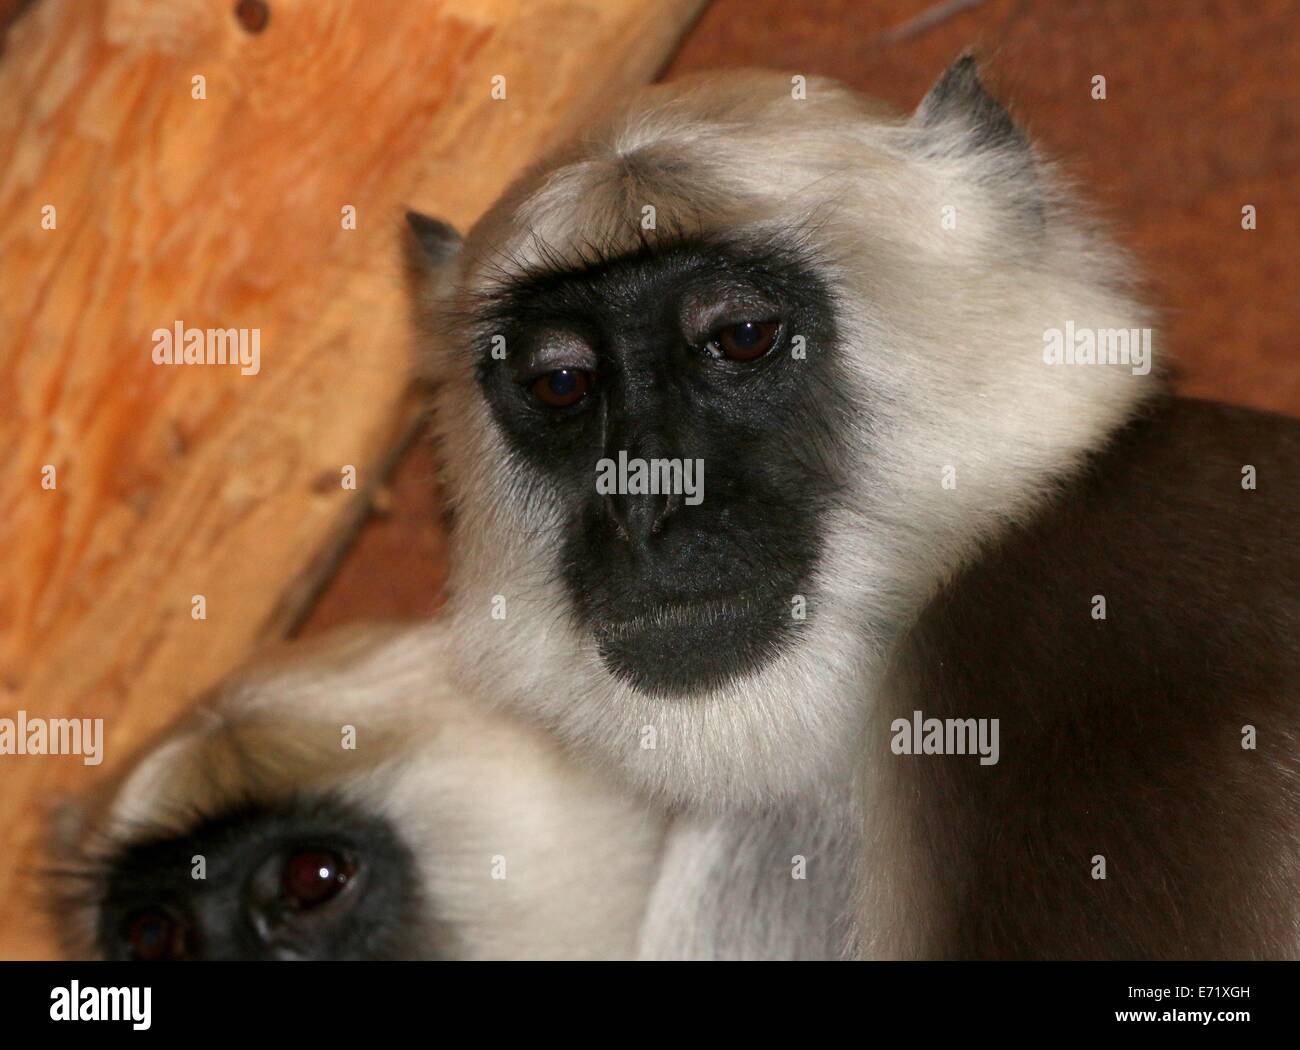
766, 886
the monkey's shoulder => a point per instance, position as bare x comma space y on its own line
1136, 645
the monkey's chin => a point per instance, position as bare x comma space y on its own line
679, 650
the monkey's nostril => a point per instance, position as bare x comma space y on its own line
614, 510
637, 518
672, 503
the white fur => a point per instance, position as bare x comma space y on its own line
462, 786
941, 339
942, 335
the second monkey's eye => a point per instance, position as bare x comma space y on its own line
562, 388
747, 341
313, 876
156, 934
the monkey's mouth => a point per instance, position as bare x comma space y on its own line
666, 614
676, 647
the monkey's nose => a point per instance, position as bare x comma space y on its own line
639, 518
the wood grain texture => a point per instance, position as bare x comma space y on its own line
225, 212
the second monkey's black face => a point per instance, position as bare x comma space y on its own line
707, 372
304, 879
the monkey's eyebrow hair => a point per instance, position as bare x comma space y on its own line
516, 289
586, 259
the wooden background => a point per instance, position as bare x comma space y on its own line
1202, 116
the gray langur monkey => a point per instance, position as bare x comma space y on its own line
933, 621
346, 801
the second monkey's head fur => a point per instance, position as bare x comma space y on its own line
344, 800
841, 315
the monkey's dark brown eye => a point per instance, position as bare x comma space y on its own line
313, 876
747, 341
155, 935
564, 387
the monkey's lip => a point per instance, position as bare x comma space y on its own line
669, 613
668, 647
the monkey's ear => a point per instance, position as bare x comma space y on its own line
437, 241
959, 100
959, 117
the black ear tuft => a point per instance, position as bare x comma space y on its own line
438, 240
960, 97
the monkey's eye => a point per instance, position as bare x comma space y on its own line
155, 935
313, 876
747, 341
563, 387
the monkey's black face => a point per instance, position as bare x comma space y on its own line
304, 880
683, 406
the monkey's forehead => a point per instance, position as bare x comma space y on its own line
735, 153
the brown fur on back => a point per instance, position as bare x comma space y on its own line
1122, 737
